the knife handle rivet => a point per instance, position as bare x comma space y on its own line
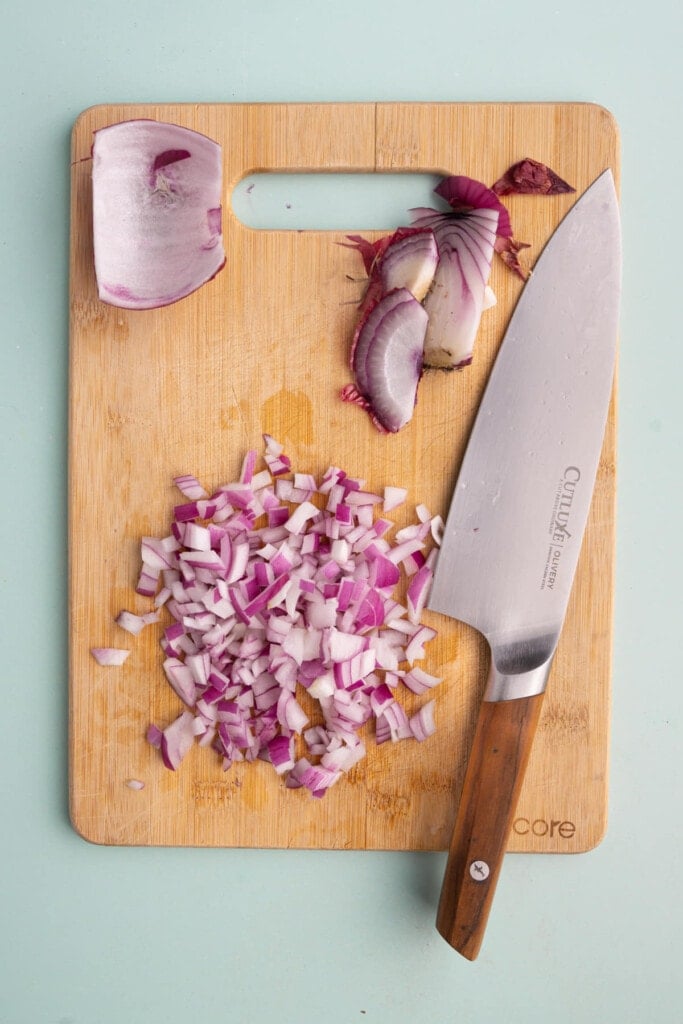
479, 870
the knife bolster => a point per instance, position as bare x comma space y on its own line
512, 676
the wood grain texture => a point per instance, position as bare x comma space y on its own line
495, 774
264, 347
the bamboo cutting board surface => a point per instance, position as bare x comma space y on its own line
264, 347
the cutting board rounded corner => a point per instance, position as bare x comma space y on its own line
86, 829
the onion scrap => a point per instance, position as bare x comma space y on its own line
439, 265
286, 636
531, 178
109, 655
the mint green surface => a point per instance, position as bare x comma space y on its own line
92, 935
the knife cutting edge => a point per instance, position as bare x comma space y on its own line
513, 533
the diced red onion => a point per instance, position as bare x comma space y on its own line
281, 751
422, 722
415, 649
135, 623
177, 740
154, 735
190, 487
266, 604
109, 655
418, 592
419, 681
135, 784
393, 497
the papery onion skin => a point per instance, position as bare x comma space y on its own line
157, 191
530, 177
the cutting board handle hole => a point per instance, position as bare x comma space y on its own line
332, 201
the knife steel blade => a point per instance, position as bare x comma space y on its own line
513, 534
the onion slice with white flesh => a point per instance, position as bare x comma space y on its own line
410, 262
458, 296
393, 362
291, 637
157, 229
387, 359
444, 260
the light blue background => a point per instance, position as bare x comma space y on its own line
93, 935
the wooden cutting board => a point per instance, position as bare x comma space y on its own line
264, 347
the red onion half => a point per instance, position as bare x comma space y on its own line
276, 591
157, 191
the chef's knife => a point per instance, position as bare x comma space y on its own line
513, 533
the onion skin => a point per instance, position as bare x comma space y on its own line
157, 233
531, 178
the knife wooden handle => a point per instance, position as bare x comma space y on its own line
495, 772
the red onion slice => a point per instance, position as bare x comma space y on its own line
157, 192
455, 303
388, 358
368, 333
410, 262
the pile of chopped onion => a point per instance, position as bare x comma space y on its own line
280, 584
